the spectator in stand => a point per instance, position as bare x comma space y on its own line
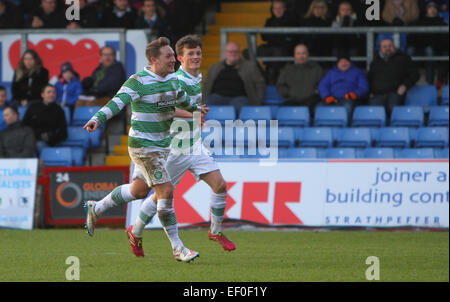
431, 45
88, 16
298, 82
119, 15
104, 82
317, 16
17, 140
47, 15
68, 87
400, 12
3, 99
10, 15
150, 18
346, 17
276, 45
47, 120
344, 85
234, 81
390, 75
29, 78
443, 5
183, 16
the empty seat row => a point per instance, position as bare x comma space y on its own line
326, 137
331, 116
62, 156
337, 153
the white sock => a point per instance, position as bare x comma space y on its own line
168, 219
119, 196
217, 204
146, 214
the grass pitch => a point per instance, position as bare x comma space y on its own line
40, 255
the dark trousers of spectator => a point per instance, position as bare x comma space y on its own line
349, 105
388, 100
219, 100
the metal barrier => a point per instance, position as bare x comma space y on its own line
369, 32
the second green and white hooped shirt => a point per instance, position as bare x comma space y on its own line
189, 139
153, 100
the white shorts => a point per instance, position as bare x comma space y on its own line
178, 165
150, 166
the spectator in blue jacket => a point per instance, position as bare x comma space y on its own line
68, 87
344, 85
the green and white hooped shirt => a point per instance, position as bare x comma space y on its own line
153, 100
192, 86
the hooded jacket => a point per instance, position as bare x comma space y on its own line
337, 83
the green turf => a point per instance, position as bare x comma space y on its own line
40, 255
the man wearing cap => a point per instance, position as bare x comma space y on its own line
344, 85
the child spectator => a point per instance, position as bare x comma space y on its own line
68, 87
344, 85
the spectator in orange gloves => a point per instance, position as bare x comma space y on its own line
344, 85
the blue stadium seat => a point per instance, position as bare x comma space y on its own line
242, 135
431, 137
393, 137
415, 153
22, 110
95, 138
379, 153
445, 96
358, 137
286, 137
441, 153
407, 116
302, 153
78, 156
274, 111
422, 95
223, 156
256, 113
271, 96
330, 116
67, 114
340, 153
444, 16
439, 116
81, 115
56, 156
316, 137
293, 116
76, 137
369, 116
221, 113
